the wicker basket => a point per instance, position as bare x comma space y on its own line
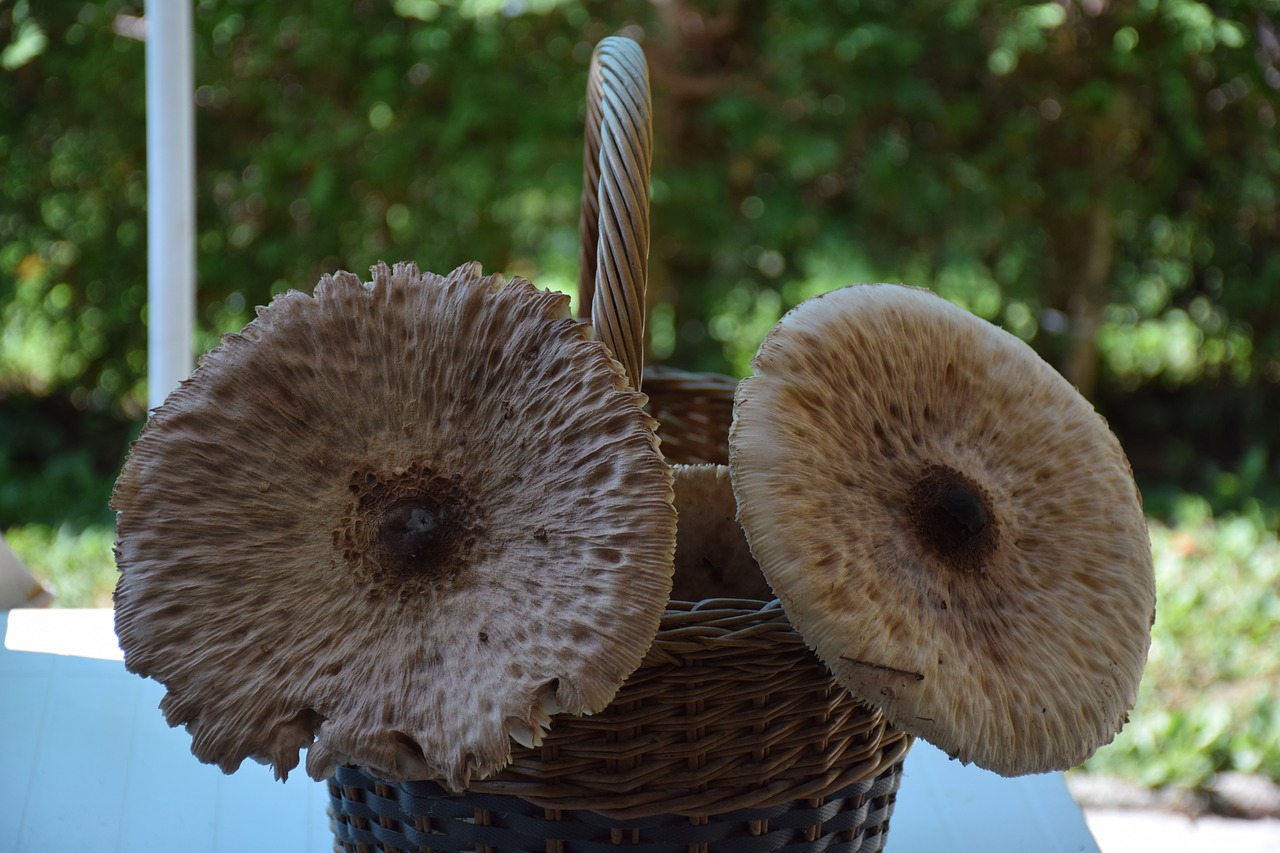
422, 816
694, 411
731, 735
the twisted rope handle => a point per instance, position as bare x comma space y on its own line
613, 266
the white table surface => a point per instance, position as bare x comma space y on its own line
88, 764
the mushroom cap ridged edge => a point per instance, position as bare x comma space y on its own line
1022, 658
247, 674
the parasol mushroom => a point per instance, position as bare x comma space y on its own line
949, 523
407, 520
712, 559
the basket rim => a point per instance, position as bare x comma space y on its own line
696, 805
622, 763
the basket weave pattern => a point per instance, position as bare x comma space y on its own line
421, 816
729, 710
694, 411
730, 715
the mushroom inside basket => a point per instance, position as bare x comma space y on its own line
428, 529
399, 523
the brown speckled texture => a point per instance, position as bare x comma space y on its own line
1025, 655
249, 585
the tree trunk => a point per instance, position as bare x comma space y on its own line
1088, 299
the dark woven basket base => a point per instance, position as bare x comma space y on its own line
370, 815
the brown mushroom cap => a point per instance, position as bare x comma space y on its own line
949, 523
406, 519
713, 559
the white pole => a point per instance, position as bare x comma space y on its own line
171, 210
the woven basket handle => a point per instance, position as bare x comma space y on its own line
613, 264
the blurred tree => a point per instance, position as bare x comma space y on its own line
1060, 168
1100, 178
73, 220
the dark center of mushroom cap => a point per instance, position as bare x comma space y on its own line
953, 518
413, 530
407, 531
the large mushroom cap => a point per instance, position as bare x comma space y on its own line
712, 558
408, 519
949, 523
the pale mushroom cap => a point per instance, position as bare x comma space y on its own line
949, 523
408, 519
713, 559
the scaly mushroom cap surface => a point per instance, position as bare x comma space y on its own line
949, 523
406, 519
713, 559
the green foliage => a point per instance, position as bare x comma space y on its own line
1210, 698
1099, 178
57, 463
72, 253
329, 141
76, 565
1061, 171
27, 42
998, 152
